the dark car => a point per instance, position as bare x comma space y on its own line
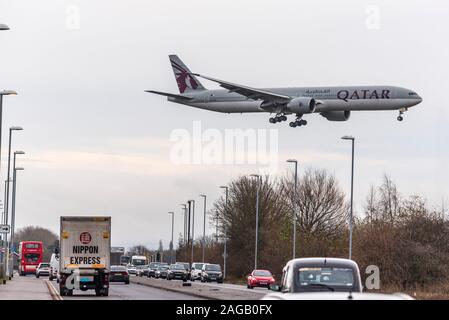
119, 274
211, 272
187, 267
161, 272
177, 271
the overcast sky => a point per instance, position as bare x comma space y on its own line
97, 144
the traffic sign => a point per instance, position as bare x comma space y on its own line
4, 228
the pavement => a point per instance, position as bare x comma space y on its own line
24, 288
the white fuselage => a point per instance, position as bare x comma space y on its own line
350, 98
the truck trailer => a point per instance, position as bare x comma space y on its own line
85, 244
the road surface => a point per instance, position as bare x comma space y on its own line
32, 288
121, 291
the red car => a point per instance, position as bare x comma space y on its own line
260, 278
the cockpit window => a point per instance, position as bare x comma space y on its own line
411, 93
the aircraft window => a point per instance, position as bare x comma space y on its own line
412, 94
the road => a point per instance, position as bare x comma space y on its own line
121, 291
32, 288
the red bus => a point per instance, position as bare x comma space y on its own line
30, 255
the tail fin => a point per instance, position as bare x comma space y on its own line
186, 81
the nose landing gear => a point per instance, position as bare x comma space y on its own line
401, 112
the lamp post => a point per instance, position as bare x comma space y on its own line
3, 93
352, 139
11, 129
257, 219
295, 210
172, 224
184, 208
225, 233
204, 227
193, 229
13, 214
11, 237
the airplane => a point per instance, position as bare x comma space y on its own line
333, 103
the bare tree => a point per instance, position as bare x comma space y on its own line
320, 203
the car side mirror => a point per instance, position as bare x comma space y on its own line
275, 287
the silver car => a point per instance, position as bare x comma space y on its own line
43, 269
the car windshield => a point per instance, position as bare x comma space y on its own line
325, 278
213, 267
262, 273
118, 268
178, 267
163, 268
44, 265
198, 266
154, 265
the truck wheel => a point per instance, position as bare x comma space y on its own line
127, 282
70, 292
106, 292
97, 292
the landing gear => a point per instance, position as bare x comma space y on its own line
401, 112
278, 118
298, 122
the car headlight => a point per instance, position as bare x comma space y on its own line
205, 274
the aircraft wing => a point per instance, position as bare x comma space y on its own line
250, 93
171, 95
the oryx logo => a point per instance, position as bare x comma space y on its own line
73, 281
85, 238
183, 78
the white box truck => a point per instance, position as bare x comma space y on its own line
85, 247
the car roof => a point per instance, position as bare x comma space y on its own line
336, 296
323, 261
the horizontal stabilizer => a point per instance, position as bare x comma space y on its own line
171, 95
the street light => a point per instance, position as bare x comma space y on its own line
295, 211
352, 193
3, 93
225, 233
11, 129
3, 27
185, 221
11, 238
172, 224
204, 225
257, 218
193, 228
13, 213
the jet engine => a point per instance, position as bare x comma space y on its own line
302, 105
336, 115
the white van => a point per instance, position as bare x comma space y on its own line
54, 266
